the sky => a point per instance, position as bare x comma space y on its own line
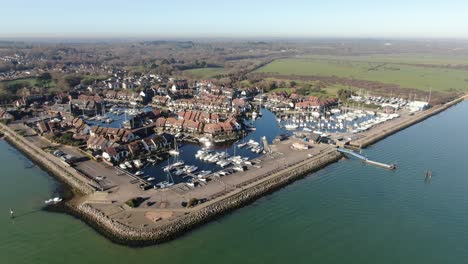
235, 18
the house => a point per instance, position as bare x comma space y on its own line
161, 122
115, 154
135, 148
227, 127
98, 143
4, 115
30, 99
117, 135
170, 122
154, 143
212, 129
86, 105
179, 84
160, 100
193, 126
80, 126
43, 127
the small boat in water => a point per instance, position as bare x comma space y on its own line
241, 145
128, 164
138, 173
138, 163
53, 200
203, 174
291, 126
175, 151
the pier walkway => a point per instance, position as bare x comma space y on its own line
366, 160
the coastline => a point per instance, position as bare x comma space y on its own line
419, 117
120, 233
34, 154
138, 237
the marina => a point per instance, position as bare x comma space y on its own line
317, 199
185, 182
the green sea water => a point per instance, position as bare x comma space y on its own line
345, 213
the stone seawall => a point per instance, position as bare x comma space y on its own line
122, 234
41, 158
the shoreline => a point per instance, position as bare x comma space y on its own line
137, 237
419, 117
122, 234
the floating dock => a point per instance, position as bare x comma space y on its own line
366, 160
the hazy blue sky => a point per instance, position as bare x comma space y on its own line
249, 18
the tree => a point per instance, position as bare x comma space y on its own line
73, 80
344, 94
292, 84
44, 79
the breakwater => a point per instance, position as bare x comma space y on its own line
123, 234
44, 160
419, 117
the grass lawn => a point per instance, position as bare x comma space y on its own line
422, 78
204, 73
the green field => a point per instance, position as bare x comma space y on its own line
325, 92
407, 58
204, 73
407, 76
30, 81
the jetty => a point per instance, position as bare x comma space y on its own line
366, 160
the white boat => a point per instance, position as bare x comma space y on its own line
138, 173
175, 151
122, 166
291, 126
128, 164
53, 200
241, 145
238, 168
258, 150
203, 173
164, 184
179, 163
179, 172
173, 166
138, 163
150, 179
191, 169
203, 140
167, 183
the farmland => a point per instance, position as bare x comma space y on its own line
404, 75
402, 58
204, 73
